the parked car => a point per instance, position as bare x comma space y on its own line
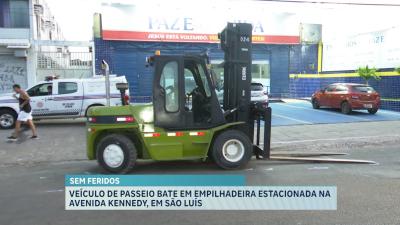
258, 94
61, 98
347, 96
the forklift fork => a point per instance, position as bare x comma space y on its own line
260, 113
264, 114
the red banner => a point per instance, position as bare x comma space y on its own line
194, 38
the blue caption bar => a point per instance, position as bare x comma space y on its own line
155, 180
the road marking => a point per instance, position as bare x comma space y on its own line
388, 112
319, 168
42, 178
332, 139
269, 169
290, 118
52, 191
330, 113
249, 169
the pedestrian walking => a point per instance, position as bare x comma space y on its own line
25, 113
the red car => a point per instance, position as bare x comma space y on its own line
347, 96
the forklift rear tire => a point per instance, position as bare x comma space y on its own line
231, 149
116, 153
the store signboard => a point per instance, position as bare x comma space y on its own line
195, 22
379, 49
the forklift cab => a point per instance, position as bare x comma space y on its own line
184, 96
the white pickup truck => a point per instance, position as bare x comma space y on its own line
62, 98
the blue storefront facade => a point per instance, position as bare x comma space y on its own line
128, 58
303, 83
288, 66
294, 69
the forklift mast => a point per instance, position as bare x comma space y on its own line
236, 44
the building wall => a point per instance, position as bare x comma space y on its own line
294, 68
128, 58
279, 63
338, 59
305, 78
30, 35
44, 25
12, 71
14, 31
303, 85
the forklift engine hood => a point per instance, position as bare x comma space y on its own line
142, 114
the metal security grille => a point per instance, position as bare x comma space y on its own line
64, 64
64, 60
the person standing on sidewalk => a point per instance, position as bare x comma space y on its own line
25, 113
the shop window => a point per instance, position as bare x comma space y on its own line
260, 70
14, 13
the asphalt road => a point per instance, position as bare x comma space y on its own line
32, 177
367, 194
65, 140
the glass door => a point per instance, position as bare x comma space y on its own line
260, 72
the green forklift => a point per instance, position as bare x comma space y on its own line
185, 119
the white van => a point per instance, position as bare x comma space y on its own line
62, 98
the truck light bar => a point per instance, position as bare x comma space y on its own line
50, 78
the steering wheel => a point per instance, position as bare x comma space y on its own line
195, 92
200, 97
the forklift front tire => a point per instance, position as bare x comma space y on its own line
116, 153
231, 149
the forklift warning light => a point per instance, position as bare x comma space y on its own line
125, 119
175, 134
152, 135
197, 133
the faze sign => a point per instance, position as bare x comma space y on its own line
181, 24
186, 24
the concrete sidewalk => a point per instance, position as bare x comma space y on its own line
66, 141
334, 137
